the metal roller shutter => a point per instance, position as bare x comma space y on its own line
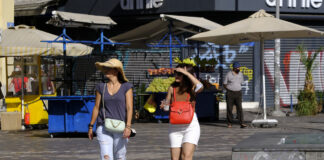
246, 61
242, 54
138, 62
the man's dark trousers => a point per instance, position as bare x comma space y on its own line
234, 98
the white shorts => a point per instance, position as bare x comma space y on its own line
184, 133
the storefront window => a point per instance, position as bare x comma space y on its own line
22, 69
47, 76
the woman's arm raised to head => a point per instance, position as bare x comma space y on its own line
194, 80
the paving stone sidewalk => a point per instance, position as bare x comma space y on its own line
151, 142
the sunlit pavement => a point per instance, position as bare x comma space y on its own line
151, 141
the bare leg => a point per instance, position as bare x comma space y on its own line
175, 153
187, 151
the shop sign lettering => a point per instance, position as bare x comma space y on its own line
295, 3
140, 4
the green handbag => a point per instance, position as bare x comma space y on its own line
111, 125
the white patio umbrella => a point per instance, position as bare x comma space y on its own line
155, 30
166, 27
259, 26
25, 40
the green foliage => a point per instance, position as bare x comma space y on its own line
307, 101
212, 61
206, 65
320, 100
139, 89
204, 62
320, 97
308, 61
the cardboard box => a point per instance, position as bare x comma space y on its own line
10, 120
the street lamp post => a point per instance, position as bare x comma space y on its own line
277, 111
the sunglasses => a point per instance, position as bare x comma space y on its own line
177, 73
107, 69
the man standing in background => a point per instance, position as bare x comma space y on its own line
233, 85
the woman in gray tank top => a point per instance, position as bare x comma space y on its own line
116, 97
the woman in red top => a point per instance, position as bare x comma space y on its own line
184, 137
16, 82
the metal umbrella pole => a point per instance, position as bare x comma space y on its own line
22, 95
198, 54
264, 122
64, 63
170, 44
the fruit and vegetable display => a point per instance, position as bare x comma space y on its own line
220, 96
161, 71
185, 61
160, 84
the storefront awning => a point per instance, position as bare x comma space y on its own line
154, 30
195, 21
26, 41
68, 19
33, 7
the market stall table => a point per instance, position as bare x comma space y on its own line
207, 106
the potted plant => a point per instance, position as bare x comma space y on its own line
307, 102
211, 65
206, 66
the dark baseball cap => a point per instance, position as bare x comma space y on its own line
236, 65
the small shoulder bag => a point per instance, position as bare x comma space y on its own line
181, 112
111, 125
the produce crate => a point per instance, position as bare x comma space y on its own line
10, 120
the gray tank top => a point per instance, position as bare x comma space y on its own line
115, 105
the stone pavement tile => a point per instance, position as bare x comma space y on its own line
151, 141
